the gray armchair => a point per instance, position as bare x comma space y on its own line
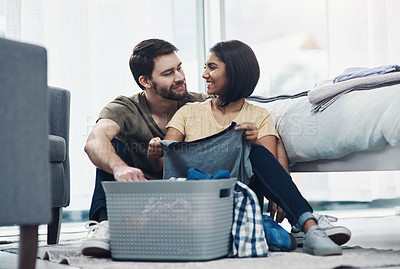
59, 114
34, 166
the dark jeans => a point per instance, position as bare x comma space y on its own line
272, 181
98, 209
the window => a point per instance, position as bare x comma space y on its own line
288, 37
89, 43
300, 42
2, 18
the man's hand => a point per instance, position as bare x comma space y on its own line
276, 212
155, 150
128, 173
251, 132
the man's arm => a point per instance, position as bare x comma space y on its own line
102, 154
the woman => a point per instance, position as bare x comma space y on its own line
231, 74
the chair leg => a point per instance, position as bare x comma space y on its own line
53, 228
28, 247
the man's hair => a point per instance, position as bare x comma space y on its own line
242, 69
142, 58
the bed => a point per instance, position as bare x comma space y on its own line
359, 131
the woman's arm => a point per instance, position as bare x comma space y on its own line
155, 154
174, 135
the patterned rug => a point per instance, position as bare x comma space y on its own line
67, 252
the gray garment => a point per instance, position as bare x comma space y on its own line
225, 150
323, 95
358, 72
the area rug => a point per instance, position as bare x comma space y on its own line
353, 257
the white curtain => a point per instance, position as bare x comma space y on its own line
89, 43
362, 33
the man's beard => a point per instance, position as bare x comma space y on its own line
168, 93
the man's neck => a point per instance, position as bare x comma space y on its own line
161, 109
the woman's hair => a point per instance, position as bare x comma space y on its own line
142, 58
242, 69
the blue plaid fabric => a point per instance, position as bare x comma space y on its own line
247, 228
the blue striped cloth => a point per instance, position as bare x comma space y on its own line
247, 228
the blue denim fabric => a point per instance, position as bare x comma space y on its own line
278, 239
194, 173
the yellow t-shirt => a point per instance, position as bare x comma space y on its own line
196, 120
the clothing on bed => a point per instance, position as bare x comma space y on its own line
323, 95
196, 120
358, 72
358, 121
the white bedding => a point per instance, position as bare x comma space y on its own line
358, 121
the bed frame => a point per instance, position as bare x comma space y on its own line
384, 159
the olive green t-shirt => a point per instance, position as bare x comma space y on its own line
137, 126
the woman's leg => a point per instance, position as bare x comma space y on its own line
275, 183
98, 210
272, 181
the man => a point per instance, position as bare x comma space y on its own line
118, 144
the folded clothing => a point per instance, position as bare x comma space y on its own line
194, 173
358, 72
325, 93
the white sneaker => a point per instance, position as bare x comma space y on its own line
316, 242
97, 242
338, 234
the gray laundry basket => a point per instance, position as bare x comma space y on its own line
170, 220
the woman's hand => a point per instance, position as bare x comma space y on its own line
276, 212
155, 154
155, 150
251, 132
